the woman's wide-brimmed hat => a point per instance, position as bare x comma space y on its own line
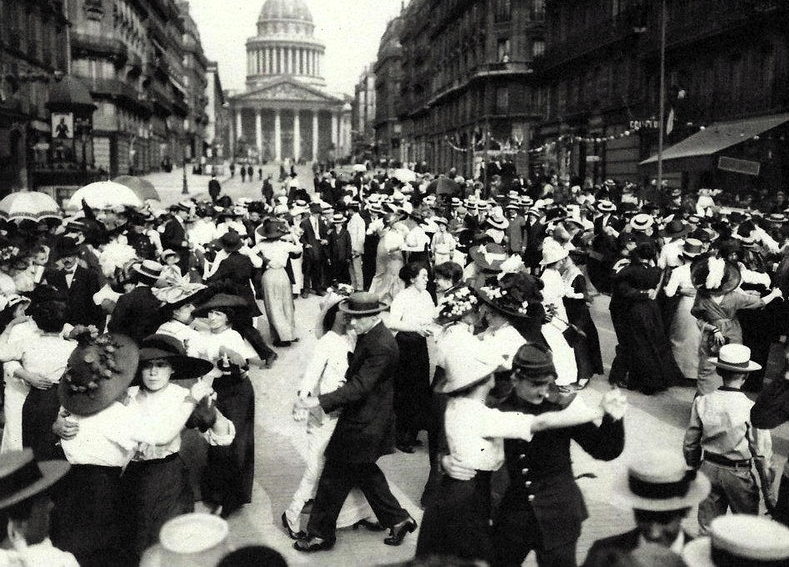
660, 482
231, 241
741, 540
180, 294
221, 301
363, 303
12, 300
552, 252
488, 256
692, 247
98, 372
169, 348
735, 357
21, 477
675, 229
512, 295
715, 276
332, 299
468, 363
456, 304
271, 230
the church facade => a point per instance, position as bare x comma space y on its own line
285, 111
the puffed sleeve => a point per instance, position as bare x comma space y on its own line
506, 425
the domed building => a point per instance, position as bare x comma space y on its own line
285, 111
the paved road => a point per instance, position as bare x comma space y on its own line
652, 423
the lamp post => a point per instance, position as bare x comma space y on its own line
662, 111
185, 190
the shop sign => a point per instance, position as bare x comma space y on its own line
744, 166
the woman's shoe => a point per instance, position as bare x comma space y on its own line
293, 535
271, 359
398, 532
582, 383
312, 544
282, 343
372, 526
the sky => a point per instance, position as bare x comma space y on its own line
351, 30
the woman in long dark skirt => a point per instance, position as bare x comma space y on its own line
650, 361
411, 316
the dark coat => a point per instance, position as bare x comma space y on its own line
604, 551
366, 428
214, 189
174, 236
544, 463
137, 314
308, 236
238, 272
80, 308
340, 246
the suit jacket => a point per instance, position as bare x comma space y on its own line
366, 428
174, 236
308, 236
541, 475
602, 550
237, 272
80, 308
137, 314
340, 246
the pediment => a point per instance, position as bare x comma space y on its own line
284, 91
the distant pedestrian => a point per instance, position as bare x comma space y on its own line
243, 171
214, 188
250, 172
260, 174
232, 170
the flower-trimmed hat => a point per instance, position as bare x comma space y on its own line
515, 294
98, 372
179, 294
715, 276
456, 304
169, 348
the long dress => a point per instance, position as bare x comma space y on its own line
563, 355
325, 373
230, 473
588, 357
277, 289
684, 332
388, 261
412, 381
650, 362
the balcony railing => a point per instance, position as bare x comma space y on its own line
96, 44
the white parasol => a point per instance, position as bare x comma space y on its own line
104, 195
404, 175
29, 205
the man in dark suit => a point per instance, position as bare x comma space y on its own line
138, 313
267, 191
174, 234
365, 430
661, 490
340, 252
314, 239
542, 509
77, 283
214, 188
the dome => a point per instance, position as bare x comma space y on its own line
285, 10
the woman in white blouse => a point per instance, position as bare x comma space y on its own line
325, 373
275, 246
411, 318
388, 260
457, 521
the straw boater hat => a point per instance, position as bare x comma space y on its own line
468, 364
497, 220
660, 482
642, 222
735, 357
21, 477
99, 370
440, 220
692, 247
605, 206
740, 540
715, 276
363, 303
167, 347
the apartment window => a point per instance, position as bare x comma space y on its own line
537, 48
538, 10
502, 100
503, 10
503, 50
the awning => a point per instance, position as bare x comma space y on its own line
719, 136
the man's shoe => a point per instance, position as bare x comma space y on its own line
312, 544
270, 360
398, 531
320, 292
293, 535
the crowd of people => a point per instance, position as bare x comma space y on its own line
455, 307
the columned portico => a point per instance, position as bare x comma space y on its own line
277, 136
314, 135
296, 136
258, 131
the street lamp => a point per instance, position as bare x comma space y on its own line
185, 190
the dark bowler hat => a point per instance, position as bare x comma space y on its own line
363, 303
98, 371
534, 363
166, 347
21, 477
66, 247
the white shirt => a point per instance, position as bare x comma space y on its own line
45, 354
416, 240
412, 307
207, 345
671, 254
104, 438
476, 433
184, 333
504, 341
42, 554
328, 364
276, 252
681, 282
356, 229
